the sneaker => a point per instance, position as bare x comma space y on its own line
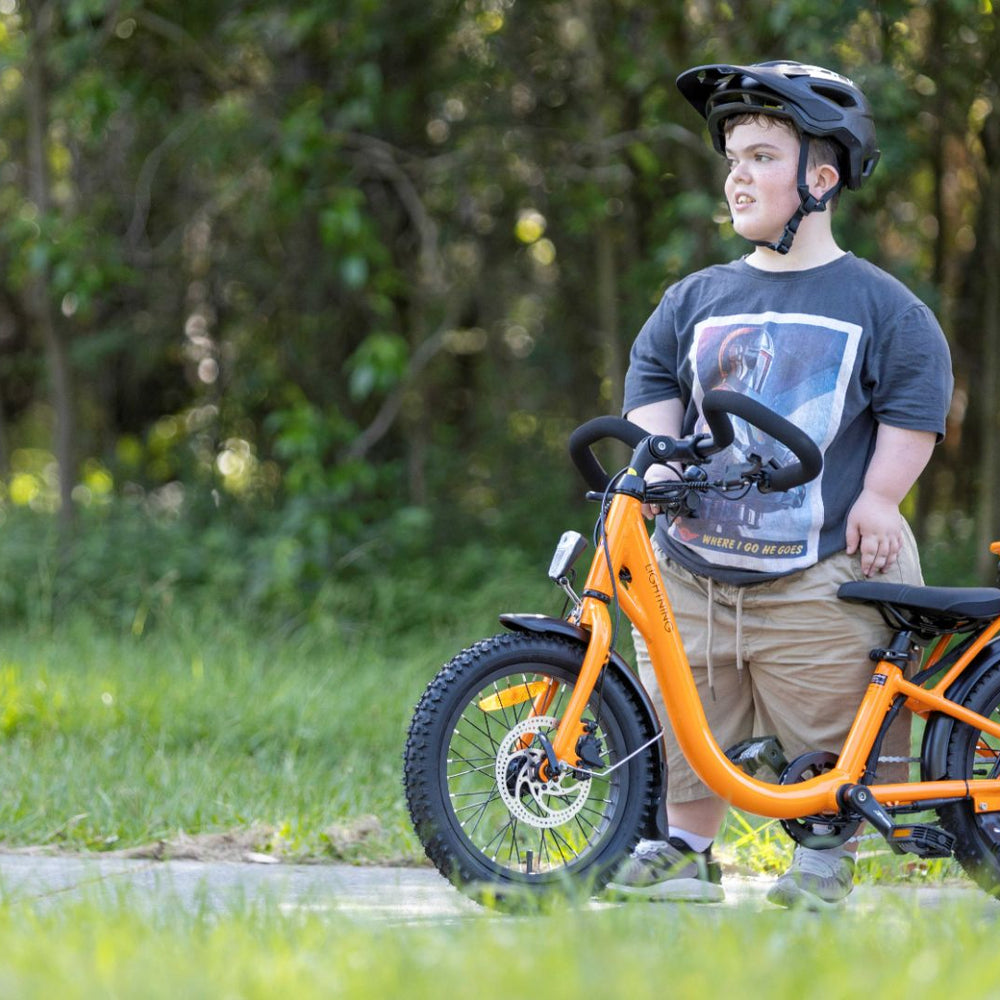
668, 871
815, 880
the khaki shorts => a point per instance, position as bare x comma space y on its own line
805, 660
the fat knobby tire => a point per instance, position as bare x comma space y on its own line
626, 804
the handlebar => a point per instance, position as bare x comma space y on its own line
588, 434
717, 406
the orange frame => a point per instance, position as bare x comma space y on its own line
646, 604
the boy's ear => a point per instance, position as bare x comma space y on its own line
826, 177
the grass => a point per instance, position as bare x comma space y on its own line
897, 950
198, 725
112, 742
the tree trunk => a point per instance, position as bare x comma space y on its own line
595, 95
44, 318
989, 250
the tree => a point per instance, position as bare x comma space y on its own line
341, 259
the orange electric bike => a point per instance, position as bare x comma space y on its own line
535, 759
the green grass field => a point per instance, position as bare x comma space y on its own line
898, 951
199, 724
113, 742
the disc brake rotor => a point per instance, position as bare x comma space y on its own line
531, 800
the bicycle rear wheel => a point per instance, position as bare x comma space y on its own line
487, 819
975, 755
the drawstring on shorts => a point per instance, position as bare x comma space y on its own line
740, 666
740, 591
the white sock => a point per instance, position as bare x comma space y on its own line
693, 840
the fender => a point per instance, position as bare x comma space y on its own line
545, 624
939, 728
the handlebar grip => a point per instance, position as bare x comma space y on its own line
718, 404
590, 433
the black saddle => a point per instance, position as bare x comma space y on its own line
928, 611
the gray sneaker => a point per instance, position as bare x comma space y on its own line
668, 871
815, 880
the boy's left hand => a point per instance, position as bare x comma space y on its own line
875, 527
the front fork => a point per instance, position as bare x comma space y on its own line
594, 613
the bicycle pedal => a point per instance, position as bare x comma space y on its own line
923, 840
760, 751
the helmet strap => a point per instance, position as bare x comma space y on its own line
807, 203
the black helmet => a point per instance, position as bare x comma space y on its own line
821, 103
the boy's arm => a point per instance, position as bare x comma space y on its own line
663, 417
874, 524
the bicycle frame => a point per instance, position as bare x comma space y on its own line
645, 602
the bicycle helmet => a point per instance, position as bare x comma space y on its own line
819, 102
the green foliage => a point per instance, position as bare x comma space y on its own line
377, 365
143, 563
358, 268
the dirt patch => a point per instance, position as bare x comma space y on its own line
258, 843
354, 841
345, 839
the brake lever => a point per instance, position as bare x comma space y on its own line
743, 474
681, 497
764, 483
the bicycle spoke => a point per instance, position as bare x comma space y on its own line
461, 733
486, 767
499, 836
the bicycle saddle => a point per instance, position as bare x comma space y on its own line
932, 610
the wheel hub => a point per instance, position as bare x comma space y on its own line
538, 802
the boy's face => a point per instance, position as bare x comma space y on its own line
763, 159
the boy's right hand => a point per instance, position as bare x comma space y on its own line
663, 417
656, 474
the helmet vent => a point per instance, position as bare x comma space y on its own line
838, 97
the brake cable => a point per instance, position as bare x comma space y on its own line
600, 539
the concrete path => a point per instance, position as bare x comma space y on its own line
218, 886
389, 894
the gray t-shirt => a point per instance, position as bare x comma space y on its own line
837, 350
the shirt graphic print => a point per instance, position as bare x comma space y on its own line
800, 366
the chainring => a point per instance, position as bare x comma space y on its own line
531, 800
827, 829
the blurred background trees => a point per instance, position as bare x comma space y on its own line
291, 290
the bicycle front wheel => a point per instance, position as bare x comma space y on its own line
488, 814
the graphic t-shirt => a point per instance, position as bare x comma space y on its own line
837, 350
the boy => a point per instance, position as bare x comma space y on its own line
853, 358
